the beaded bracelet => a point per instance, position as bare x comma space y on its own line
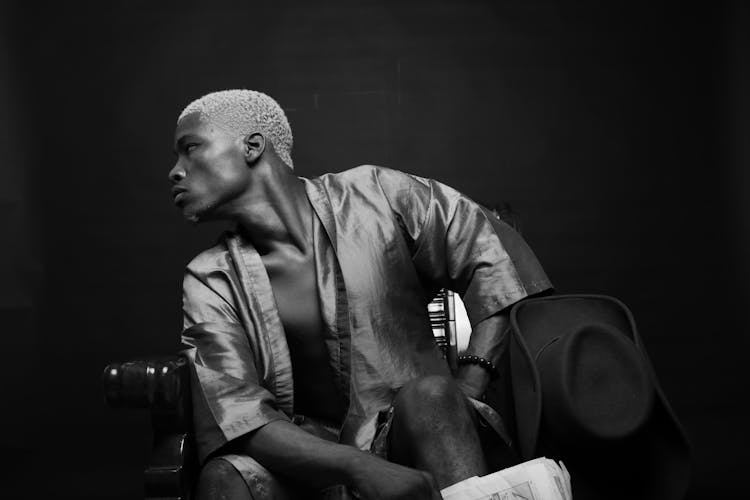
470, 359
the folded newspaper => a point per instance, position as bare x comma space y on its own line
538, 479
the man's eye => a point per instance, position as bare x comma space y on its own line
191, 146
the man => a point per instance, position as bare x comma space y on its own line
312, 352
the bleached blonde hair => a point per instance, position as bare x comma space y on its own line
243, 112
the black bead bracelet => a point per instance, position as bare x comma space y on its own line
470, 359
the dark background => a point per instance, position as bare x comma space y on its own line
618, 133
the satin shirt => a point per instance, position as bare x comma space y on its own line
384, 243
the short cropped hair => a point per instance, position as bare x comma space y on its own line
243, 112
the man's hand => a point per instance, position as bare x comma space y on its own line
373, 478
473, 380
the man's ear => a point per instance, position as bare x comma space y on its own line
254, 144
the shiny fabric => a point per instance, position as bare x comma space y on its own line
384, 242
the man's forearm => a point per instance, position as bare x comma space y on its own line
289, 451
487, 341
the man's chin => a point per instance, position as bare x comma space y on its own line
192, 216
196, 215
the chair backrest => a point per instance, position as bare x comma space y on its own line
442, 311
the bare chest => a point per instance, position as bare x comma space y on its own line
294, 285
295, 289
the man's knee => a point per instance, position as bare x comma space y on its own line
431, 390
430, 398
218, 479
432, 418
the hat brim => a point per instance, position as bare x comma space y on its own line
661, 468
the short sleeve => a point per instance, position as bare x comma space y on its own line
459, 245
228, 400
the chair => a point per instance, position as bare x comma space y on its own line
163, 386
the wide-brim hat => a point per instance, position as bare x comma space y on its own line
585, 392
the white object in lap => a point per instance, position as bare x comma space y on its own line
538, 479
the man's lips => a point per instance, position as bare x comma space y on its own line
178, 193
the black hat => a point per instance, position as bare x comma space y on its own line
585, 393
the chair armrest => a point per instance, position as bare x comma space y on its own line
163, 386
162, 383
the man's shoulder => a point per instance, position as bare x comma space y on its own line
358, 174
376, 177
211, 259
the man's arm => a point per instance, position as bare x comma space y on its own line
487, 338
289, 451
457, 244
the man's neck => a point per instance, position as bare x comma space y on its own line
276, 215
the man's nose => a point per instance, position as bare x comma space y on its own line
177, 173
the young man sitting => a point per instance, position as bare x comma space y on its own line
314, 362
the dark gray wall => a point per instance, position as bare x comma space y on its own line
618, 133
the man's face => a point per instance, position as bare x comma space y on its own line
211, 173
